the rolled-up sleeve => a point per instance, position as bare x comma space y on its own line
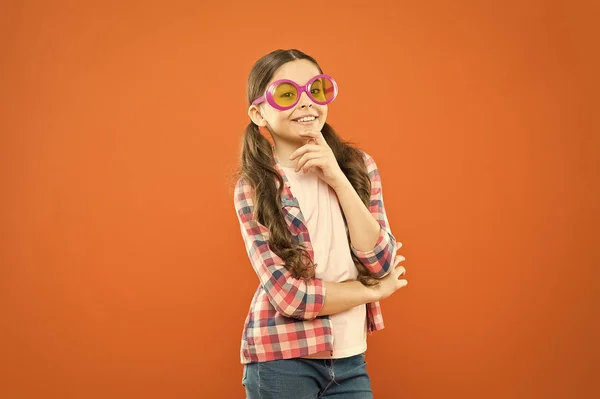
379, 260
290, 296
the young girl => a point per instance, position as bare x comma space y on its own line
311, 215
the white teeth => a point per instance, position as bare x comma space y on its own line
307, 119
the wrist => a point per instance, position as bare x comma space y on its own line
372, 293
341, 183
368, 294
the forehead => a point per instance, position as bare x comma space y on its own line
300, 71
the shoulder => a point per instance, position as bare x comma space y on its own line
369, 163
366, 157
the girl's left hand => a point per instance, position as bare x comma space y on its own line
317, 155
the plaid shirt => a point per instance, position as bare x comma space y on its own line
283, 319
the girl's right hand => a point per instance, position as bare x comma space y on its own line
392, 282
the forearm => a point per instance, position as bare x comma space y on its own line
364, 229
343, 296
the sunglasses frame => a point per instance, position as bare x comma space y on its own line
268, 96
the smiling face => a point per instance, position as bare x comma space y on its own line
285, 126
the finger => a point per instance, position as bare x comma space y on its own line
314, 135
306, 148
403, 283
311, 163
399, 258
400, 270
305, 158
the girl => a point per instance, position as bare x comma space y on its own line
311, 215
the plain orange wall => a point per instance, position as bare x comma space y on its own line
123, 273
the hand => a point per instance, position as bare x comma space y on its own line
391, 283
317, 156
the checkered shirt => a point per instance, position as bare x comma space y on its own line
283, 321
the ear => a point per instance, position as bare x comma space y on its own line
255, 114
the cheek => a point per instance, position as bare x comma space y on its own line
279, 121
283, 117
274, 117
323, 110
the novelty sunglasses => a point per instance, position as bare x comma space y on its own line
284, 94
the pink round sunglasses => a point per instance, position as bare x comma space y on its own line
284, 94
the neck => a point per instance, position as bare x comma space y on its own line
283, 150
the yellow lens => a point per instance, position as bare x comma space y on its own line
322, 89
285, 94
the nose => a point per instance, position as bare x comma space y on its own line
304, 101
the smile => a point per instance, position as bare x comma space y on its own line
306, 119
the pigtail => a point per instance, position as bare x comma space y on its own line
257, 168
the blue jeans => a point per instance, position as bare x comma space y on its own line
301, 378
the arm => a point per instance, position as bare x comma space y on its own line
370, 236
292, 297
343, 296
364, 229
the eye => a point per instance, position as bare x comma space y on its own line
315, 91
288, 94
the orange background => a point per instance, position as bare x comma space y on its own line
123, 273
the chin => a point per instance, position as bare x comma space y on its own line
298, 127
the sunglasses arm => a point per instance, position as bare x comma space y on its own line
259, 100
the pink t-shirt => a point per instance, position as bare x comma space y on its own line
323, 216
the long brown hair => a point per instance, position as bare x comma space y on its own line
257, 169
